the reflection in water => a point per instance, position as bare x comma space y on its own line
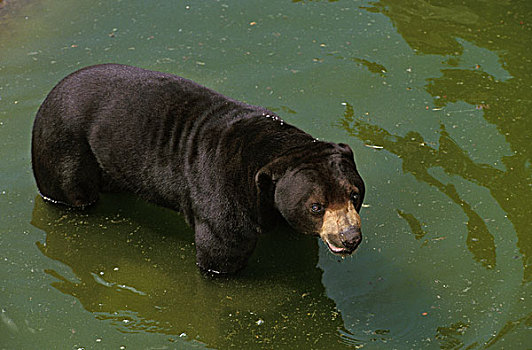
133, 271
415, 225
509, 327
501, 27
503, 99
418, 157
450, 337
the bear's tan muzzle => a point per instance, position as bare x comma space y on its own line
341, 229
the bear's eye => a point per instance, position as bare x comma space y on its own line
317, 208
355, 198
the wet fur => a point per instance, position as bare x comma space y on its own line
174, 143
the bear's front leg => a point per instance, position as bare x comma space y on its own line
221, 250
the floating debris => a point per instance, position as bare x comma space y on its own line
8, 322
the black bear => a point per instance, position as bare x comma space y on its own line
231, 168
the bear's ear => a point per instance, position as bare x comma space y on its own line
346, 148
268, 175
265, 186
264, 181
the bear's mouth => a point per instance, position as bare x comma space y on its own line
337, 250
340, 229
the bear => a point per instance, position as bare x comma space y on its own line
232, 169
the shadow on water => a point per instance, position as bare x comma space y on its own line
135, 267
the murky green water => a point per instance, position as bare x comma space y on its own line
435, 99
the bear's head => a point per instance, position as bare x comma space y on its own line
321, 193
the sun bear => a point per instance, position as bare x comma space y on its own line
232, 169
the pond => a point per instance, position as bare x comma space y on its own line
434, 98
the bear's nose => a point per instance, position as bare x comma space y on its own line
351, 237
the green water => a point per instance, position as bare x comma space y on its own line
435, 99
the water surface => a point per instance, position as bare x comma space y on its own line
434, 98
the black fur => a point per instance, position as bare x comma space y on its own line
180, 145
